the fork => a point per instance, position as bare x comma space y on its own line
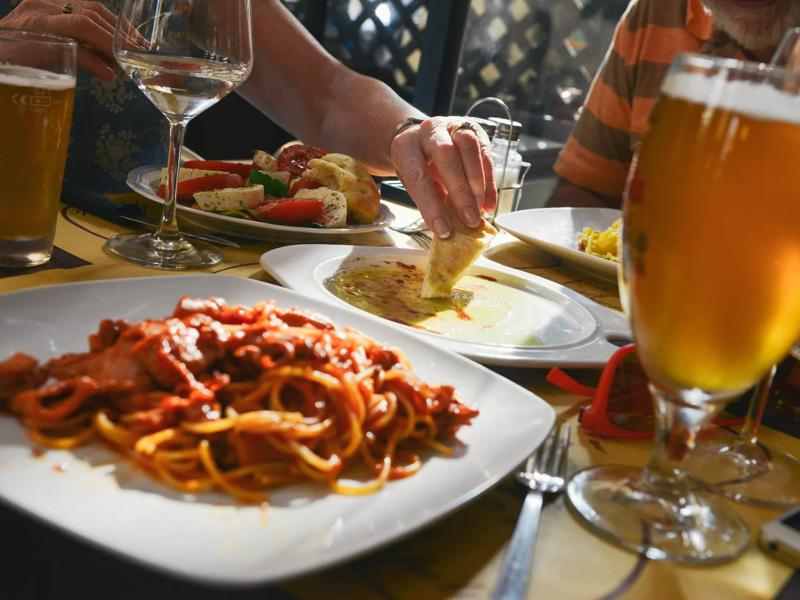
421, 238
544, 473
413, 227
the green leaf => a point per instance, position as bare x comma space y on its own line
272, 187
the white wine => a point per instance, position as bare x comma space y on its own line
181, 87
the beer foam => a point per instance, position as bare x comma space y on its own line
17, 76
758, 100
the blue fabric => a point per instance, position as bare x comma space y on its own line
114, 128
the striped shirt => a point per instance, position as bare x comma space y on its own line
649, 35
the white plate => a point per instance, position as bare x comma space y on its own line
100, 498
145, 181
556, 230
576, 332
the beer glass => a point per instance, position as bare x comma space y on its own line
184, 57
711, 256
738, 465
37, 89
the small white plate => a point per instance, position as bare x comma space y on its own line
97, 495
556, 230
574, 330
145, 181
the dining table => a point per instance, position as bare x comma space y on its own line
458, 556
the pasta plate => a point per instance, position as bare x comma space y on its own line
96, 494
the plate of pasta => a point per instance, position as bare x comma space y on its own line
587, 238
230, 431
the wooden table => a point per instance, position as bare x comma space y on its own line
459, 556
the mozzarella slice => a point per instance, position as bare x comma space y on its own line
334, 205
230, 198
184, 174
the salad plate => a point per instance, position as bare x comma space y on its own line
498, 315
145, 181
556, 231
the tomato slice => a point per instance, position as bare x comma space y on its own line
241, 169
295, 158
188, 187
290, 211
303, 184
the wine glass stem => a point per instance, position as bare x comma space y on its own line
677, 426
755, 411
168, 227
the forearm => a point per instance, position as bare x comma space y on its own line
361, 120
568, 194
316, 98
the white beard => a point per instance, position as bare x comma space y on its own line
755, 29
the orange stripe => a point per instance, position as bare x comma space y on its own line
652, 43
608, 106
642, 107
698, 22
586, 169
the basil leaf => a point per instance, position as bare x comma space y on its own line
272, 187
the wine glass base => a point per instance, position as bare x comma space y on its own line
612, 501
755, 474
148, 250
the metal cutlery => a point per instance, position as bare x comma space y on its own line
206, 237
122, 213
421, 238
413, 227
544, 473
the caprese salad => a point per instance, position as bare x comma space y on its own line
301, 186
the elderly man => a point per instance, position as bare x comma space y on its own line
594, 164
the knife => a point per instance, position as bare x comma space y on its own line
122, 213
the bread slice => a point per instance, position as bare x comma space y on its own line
451, 257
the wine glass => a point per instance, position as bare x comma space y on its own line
714, 296
738, 465
184, 55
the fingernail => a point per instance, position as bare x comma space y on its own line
471, 216
441, 228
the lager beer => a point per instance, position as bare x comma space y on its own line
712, 231
35, 116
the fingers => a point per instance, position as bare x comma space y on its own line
440, 158
96, 64
489, 182
469, 149
98, 19
86, 30
413, 170
102, 14
439, 147
95, 41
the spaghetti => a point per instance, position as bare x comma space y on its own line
238, 399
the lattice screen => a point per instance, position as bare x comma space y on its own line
539, 55
382, 38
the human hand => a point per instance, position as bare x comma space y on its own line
89, 23
446, 157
